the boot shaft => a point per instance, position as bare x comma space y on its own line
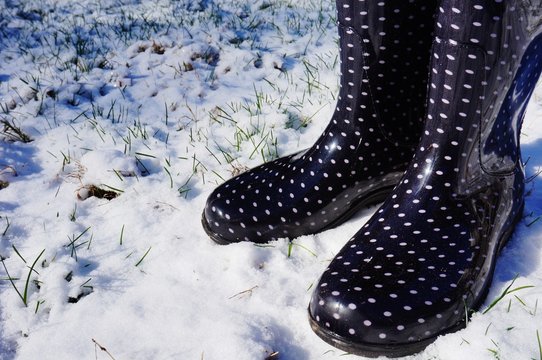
385, 52
487, 58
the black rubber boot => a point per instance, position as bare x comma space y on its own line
428, 254
362, 154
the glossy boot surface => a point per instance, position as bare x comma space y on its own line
429, 252
363, 152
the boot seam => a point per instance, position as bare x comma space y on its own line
480, 106
373, 105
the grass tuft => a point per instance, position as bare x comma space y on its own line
73, 243
13, 132
506, 292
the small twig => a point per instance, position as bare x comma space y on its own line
165, 203
96, 344
249, 292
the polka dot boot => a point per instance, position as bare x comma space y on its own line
362, 154
428, 254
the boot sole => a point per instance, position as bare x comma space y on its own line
398, 350
366, 201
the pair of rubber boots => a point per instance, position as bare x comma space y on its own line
428, 118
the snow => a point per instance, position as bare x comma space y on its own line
157, 103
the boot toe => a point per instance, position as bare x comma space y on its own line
246, 208
217, 221
406, 278
374, 322
226, 220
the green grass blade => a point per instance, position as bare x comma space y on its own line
25, 294
144, 256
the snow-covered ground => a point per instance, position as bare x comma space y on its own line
136, 111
